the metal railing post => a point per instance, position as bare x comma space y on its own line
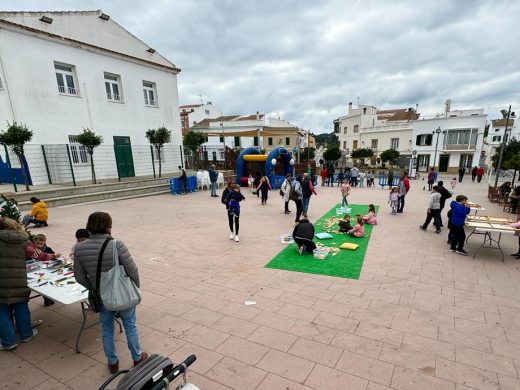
182, 158
153, 163
70, 164
46, 164
8, 161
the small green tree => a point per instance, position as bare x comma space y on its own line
362, 154
159, 137
8, 209
16, 136
90, 141
307, 154
193, 140
390, 155
512, 148
332, 153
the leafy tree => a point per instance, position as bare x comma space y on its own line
90, 141
16, 136
362, 154
193, 140
159, 137
8, 209
332, 153
390, 155
512, 148
307, 154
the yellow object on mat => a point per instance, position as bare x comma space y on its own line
349, 245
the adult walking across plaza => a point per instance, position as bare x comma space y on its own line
297, 197
431, 178
474, 173
307, 191
462, 171
354, 173
286, 191
404, 187
213, 177
480, 173
90, 254
390, 178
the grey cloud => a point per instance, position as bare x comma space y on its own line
306, 60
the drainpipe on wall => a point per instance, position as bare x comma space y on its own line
7, 89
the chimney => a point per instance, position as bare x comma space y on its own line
447, 107
349, 107
257, 116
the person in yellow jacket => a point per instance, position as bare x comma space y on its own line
38, 215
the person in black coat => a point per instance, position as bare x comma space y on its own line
303, 234
445, 194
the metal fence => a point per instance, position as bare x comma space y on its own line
70, 164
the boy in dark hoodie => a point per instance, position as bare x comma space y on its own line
459, 211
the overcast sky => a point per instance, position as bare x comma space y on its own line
305, 60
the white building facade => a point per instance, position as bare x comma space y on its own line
449, 141
62, 72
497, 134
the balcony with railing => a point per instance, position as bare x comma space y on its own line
387, 127
460, 140
67, 90
114, 98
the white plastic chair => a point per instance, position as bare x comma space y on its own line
205, 179
199, 180
220, 179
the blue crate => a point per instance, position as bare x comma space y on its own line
176, 188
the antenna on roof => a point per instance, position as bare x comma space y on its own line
201, 102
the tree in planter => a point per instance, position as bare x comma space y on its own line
307, 154
332, 153
362, 154
390, 155
193, 140
16, 136
90, 141
159, 137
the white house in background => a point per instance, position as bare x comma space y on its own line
497, 134
449, 140
62, 72
191, 114
369, 127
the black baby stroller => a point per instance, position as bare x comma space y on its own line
155, 373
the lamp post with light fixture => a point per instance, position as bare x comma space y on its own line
438, 131
506, 115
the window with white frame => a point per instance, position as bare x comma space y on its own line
113, 87
78, 152
373, 144
66, 79
423, 162
394, 143
150, 93
496, 138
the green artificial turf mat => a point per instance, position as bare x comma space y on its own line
345, 264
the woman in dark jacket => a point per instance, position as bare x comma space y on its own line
86, 254
14, 293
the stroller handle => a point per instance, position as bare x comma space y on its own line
178, 370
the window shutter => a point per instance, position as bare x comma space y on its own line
429, 139
418, 140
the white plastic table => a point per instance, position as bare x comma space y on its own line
60, 286
486, 229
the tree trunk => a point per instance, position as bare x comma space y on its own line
24, 173
92, 168
160, 165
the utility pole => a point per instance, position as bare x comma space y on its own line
499, 166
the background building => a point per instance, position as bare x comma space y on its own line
62, 72
191, 114
449, 140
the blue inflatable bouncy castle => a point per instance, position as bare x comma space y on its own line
276, 173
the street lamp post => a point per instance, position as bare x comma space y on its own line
503, 146
438, 131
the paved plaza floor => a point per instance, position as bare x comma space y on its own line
419, 317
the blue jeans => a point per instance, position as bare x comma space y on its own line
305, 203
213, 188
22, 316
107, 333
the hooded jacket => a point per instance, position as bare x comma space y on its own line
39, 211
13, 276
459, 213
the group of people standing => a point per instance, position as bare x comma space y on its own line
353, 176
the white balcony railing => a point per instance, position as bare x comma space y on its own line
113, 97
150, 102
459, 147
67, 90
392, 127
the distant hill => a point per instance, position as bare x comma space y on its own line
326, 139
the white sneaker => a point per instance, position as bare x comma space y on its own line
237, 239
34, 333
231, 236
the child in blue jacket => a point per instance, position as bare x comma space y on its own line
457, 235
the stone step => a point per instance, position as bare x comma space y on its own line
88, 197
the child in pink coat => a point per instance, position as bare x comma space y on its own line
370, 218
358, 230
345, 191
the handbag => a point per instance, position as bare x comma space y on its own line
281, 193
93, 295
117, 291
